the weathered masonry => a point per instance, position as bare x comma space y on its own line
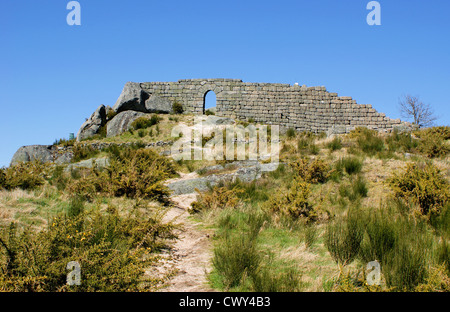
292, 106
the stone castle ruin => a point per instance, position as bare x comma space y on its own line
291, 106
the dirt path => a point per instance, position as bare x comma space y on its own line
191, 253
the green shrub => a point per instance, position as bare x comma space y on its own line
110, 114
294, 203
343, 238
145, 122
141, 133
437, 280
25, 175
209, 112
177, 108
441, 222
403, 142
442, 132
313, 149
335, 144
401, 244
382, 234
302, 143
433, 146
443, 254
113, 252
267, 279
405, 267
423, 184
237, 257
76, 206
368, 140
290, 133
351, 165
82, 152
58, 178
139, 173
220, 197
89, 185
355, 190
64, 142
311, 235
253, 192
315, 171
133, 172
2, 178
101, 132
305, 143
359, 187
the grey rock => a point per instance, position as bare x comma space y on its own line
269, 167
27, 153
165, 153
189, 186
212, 168
91, 126
248, 174
242, 164
245, 174
89, 163
131, 98
212, 120
64, 158
121, 122
338, 129
405, 127
156, 104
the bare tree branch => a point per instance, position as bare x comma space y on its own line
421, 114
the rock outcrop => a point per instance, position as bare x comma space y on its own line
132, 98
121, 122
89, 163
43, 153
92, 126
156, 104
33, 152
246, 171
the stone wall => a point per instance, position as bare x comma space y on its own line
292, 106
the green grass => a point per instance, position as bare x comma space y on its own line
335, 144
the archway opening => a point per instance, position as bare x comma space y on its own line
209, 102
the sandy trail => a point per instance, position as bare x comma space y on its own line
191, 252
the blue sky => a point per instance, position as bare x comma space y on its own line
53, 76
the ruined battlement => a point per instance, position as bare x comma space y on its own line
293, 106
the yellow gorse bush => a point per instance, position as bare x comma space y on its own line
423, 184
113, 252
293, 203
219, 197
314, 171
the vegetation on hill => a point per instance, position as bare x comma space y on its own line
109, 221
332, 206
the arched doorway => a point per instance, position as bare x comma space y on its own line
209, 101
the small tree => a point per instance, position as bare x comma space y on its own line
411, 107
